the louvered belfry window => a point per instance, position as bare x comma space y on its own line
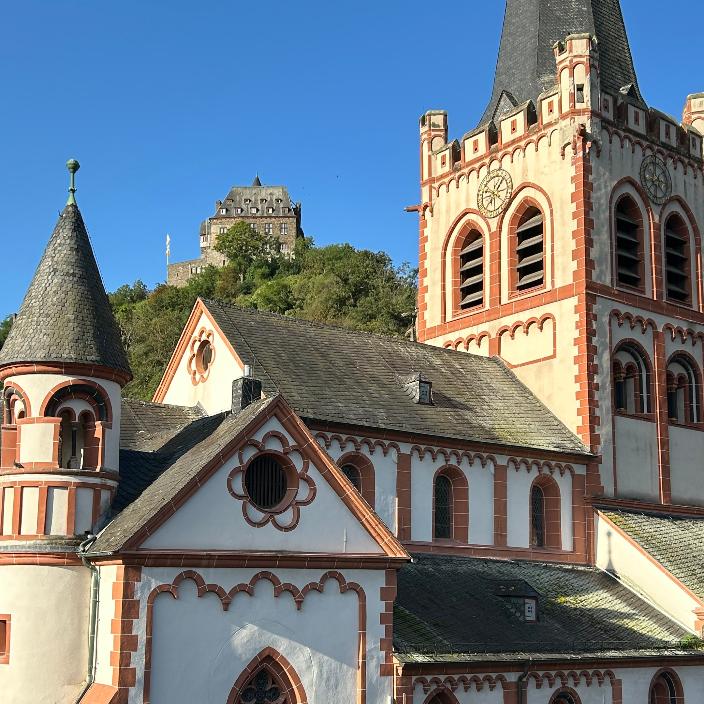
677, 259
472, 271
530, 250
265, 482
443, 508
629, 234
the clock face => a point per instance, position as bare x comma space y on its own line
656, 179
494, 193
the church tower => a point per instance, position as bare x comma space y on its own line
563, 234
63, 367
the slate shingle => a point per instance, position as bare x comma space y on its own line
676, 542
451, 609
66, 314
526, 64
330, 374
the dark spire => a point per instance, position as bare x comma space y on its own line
66, 315
256, 181
526, 65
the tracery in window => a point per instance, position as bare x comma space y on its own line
631, 380
666, 689
683, 390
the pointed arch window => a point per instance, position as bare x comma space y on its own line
631, 380
683, 390
471, 275
677, 278
530, 250
565, 697
629, 243
268, 679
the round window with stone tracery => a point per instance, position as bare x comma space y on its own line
270, 484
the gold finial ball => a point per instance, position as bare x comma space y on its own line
72, 165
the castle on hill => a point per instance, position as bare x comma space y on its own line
509, 511
268, 210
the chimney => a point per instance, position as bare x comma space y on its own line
245, 390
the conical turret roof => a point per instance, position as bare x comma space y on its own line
66, 315
526, 65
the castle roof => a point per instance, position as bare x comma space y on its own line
526, 65
66, 315
241, 199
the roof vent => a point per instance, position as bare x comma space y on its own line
419, 389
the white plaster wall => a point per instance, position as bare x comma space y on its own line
106, 612
214, 394
199, 650
686, 467
481, 497
37, 439
637, 680
519, 484
637, 458
618, 556
471, 696
30, 506
48, 647
594, 694
213, 519
384, 476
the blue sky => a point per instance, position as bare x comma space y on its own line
168, 104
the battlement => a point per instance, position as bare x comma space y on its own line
576, 95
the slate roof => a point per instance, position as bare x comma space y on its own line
148, 426
526, 64
238, 196
451, 609
151, 479
330, 374
676, 542
66, 315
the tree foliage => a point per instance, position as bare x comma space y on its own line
335, 284
5, 326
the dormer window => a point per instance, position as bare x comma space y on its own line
253, 210
579, 94
284, 210
223, 211
419, 389
530, 610
239, 211
269, 210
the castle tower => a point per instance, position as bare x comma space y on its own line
63, 366
563, 234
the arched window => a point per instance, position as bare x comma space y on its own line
471, 264
73, 438
666, 688
629, 243
529, 250
545, 518
353, 474
631, 380
443, 508
451, 505
442, 696
677, 277
358, 468
565, 696
683, 390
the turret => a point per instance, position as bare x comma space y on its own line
63, 367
